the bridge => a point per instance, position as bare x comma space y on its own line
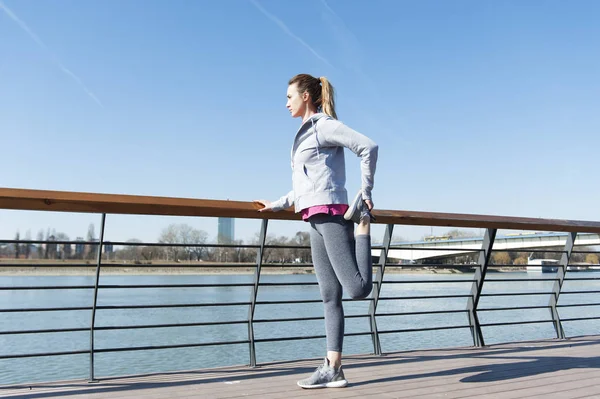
430, 249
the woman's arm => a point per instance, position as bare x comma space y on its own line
335, 133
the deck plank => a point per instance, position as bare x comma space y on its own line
549, 368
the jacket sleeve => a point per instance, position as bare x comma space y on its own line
284, 202
335, 133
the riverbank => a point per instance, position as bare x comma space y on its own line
112, 268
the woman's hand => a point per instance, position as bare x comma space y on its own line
369, 204
263, 205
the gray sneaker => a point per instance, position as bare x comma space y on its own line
358, 210
325, 376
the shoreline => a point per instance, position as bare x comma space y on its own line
22, 267
12, 271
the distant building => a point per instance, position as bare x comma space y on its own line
108, 247
226, 230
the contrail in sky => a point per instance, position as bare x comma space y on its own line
54, 58
288, 31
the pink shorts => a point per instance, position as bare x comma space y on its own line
331, 209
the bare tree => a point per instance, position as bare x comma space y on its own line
151, 252
17, 245
458, 233
501, 258
521, 260
40, 248
198, 237
28, 245
302, 238
47, 244
581, 257
279, 255
591, 258
65, 253
51, 248
169, 236
191, 238
184, 236
240, 254
131, 252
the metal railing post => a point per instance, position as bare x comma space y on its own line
560, 276
92, 324
477, 286
254, 293
387, 239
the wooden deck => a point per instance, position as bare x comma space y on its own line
541, 369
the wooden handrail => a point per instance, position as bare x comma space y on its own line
65, 201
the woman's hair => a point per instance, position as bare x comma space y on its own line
320, 90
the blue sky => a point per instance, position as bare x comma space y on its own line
478, 106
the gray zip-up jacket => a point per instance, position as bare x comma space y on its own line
318, 166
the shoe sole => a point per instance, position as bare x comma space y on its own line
350, 212
334, 384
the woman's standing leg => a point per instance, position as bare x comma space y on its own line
340, 260
331, 291
330, 373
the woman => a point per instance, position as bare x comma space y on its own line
319, 175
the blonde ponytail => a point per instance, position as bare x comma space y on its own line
327, 97
320, 91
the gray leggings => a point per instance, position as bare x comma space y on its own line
340, 260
